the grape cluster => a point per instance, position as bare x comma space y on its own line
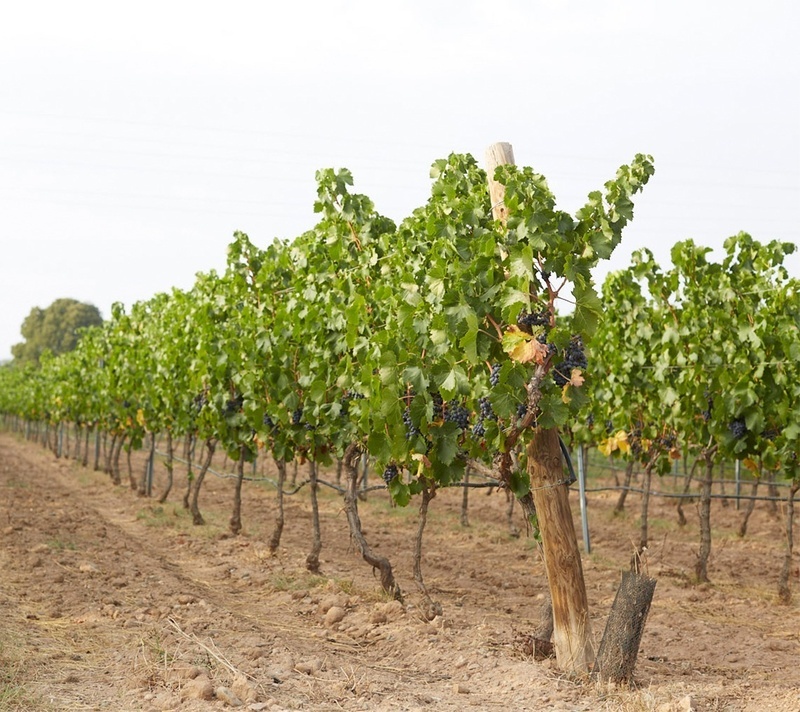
590, 420
297, 415
347, 397
771, 433
668, 441
522, 409
540, 318
390, 473
574, 357
609, 427
486, 412
199, 401
738, 428
710, 402
411, 430
234, 405
438, 406
494, 376
268, 422
458, 414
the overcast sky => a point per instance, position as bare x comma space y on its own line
135, 138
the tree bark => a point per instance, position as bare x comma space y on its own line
784, 588
197, 518
277, 531
170, 465
701, 565
431, 608
571, 625
751, 505
379, 563
236, 518
465, 500
623, 495
312, 560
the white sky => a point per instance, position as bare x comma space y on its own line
135, 138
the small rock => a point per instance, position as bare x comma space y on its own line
87, 568
185, 599
377, 617
227, 696
200, 688
686, 704
393, 610
189, 673
258, 706
334, 615
299, 595
460, 689
338, 601
309, 667
243, 689
39, 549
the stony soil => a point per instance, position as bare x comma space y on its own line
109, 601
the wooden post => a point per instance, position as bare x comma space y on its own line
498, 154
572, 634
571, 626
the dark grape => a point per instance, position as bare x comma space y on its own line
479, 430
438, 406
390, 473
609, 427
738, 428
458, 414
706, 415
268, 422
541, 318
574, 357
486, 412
297, 416
522, 409
590, 419
494, 377
411, 429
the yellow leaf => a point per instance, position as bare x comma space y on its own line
140, 417
576, 378
565, 394
751, 465
622, 441
607, 446
522, 346
675, 454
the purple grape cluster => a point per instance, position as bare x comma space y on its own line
494, 376
574, 357
438, 406
390, 473
297, 415
540, 318
738, 428
458, 414
411, 430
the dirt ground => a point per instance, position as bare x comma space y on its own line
109, 601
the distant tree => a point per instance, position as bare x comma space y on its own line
55, 328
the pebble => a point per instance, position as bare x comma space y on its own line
334, 614
228, 696
200, 688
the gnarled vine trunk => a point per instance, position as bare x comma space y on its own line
350, 460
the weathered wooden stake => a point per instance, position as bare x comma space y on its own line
571, 626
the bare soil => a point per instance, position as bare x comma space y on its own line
109, 601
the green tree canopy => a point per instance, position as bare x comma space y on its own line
56, 328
